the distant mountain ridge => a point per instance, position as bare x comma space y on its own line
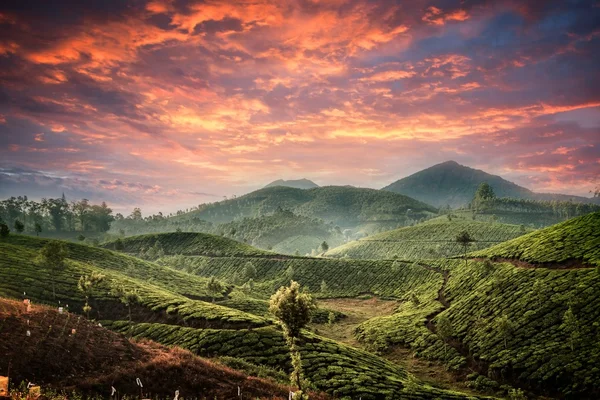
451, 183
294, 183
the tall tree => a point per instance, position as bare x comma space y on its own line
570, 324
505, 328
293, 310
52, 256
484, 193
81, 209
464, 239
19, 226
38, 228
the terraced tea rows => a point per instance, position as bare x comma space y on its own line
337, 369
187, 243
19, 274
343, 278
576, 240
429, 240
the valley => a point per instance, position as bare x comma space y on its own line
413, 312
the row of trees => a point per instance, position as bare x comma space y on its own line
485, 199
57, 215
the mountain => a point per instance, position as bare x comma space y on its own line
294, 183
450, 183
345, 206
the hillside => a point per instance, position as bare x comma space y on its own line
165, 315
452, 184
294, 183
81, 356
574, 241
185, 243
429, 240
347, 207
165, 294
284, 232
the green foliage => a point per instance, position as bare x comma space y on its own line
185, 243
429, 240
4, 230
19, 226
214, 287
292, 309
575, 240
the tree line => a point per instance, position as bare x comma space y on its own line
58, 215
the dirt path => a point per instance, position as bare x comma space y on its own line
357, 311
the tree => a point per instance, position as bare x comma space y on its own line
136, 214
324, 247
570, 325
248, 287
249, 271
128, 297
86, 286
19, 226
4, 231
214, 287
52, 256
324, 287
484, 192
293, 310
330, 318
38, 229
505, 328
445, 330
464, 239
119, 245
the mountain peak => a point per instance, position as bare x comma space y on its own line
294, 183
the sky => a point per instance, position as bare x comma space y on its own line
166, 104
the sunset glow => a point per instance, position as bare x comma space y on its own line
168, 103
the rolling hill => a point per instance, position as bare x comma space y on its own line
81, 356
450, 183
574, 241
429, 240
185, 243
347, 207
294, 183
533, 326
169, 313
284, 232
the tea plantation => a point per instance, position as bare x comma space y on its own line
429, 240
577, 239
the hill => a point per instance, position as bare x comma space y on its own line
506, 322
294, 183
574, 241
347, 207
452, 184
82, 356
184, 243
429, 240
284, 232
164, 314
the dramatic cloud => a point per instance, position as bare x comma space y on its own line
171, 103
